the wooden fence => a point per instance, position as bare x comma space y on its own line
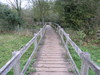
14, 62
87, 63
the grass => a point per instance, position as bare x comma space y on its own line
92, 47
10, 43
93, 50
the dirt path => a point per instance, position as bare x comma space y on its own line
51, 59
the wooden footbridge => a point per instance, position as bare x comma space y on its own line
51, 57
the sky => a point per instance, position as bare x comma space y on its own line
24, 2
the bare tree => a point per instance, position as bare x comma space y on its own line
41, 7
16, 4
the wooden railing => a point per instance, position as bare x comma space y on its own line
87, 63
14, 62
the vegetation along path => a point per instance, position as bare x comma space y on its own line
52, 56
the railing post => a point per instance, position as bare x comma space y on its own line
98, 73
66, 44
35, 41
17, 65
62, 36
59, 29
41, 33
84, 66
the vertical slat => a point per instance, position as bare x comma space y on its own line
85, 66
17, 65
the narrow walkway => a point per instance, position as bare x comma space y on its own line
52, 56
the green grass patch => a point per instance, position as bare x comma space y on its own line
93, 50
10, 43
75, 57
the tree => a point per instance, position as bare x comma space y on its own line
10, 18
40, 9
77, 14
17, 5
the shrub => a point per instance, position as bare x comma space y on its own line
9, 18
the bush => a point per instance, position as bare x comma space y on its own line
8, 18
79, 15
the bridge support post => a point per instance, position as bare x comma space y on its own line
84, 66
17, 65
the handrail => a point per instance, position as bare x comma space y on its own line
14, 61
85, 56
5, 69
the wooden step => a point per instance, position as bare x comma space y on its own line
51, 62
40, 59
51, 70
51, 65
51, 56
52, 73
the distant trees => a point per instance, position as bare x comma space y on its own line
40, 10
78, 14
43, 10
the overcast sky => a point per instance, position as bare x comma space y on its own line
24, 2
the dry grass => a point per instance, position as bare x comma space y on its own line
25, 32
